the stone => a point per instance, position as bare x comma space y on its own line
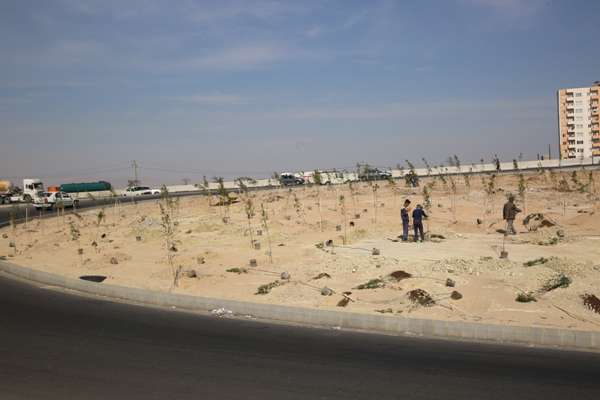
535, 221
450, 283
190, 273
285, 276
138, 238
4, 236
326, 291
200, 260
253, 262
504, 254
375, 252
114, 261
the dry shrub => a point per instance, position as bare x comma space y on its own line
421, 297
591, 302
400, 275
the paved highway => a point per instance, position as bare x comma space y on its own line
62, 346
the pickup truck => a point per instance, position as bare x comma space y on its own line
49, 200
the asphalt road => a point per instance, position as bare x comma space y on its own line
62, 346
32, 212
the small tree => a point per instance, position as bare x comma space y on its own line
489, 188
456, 162
206, 187
318, 180
13, 224
224, 199
393, 187
100, 217
522, 191
168, 207
426, 163
454, 191
249, 208
374, 188
411, 178
342, 202
467, 179
264, 219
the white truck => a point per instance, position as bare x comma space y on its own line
32, 189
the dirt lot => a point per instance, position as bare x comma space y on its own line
324, 236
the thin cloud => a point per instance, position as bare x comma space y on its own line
513, 8
216, 99
241, 57
314, 32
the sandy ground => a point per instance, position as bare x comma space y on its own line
128, 244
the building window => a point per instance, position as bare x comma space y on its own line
577, 94
580, 142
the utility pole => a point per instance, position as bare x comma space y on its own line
549, 152
134, 164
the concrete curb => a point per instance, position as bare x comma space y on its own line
537, 336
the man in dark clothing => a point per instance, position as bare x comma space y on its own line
509, 213
404, 214
418, 214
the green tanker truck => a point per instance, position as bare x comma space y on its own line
85, 187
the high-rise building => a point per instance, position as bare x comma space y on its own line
578, 122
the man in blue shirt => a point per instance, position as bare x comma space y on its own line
418, 214
404, 214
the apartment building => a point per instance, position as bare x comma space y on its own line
578, 122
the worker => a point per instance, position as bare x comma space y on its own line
404, 214
509, 213
418, 214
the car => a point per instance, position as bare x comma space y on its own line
374, 175
140, 191
287, 179
48, 200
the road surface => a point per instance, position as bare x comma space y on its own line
55, 345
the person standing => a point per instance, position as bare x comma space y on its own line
509, 213
418, 214
404, 214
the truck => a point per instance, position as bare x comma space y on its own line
7, 190
33, 189
85, 187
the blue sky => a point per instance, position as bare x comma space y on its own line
191, 88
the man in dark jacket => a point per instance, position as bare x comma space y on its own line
509, 213
404, 214
418, 214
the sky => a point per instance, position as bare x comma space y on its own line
244, 88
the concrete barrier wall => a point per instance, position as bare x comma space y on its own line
544, 337
343, 177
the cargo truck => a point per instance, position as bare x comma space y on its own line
85, 187
33, 189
